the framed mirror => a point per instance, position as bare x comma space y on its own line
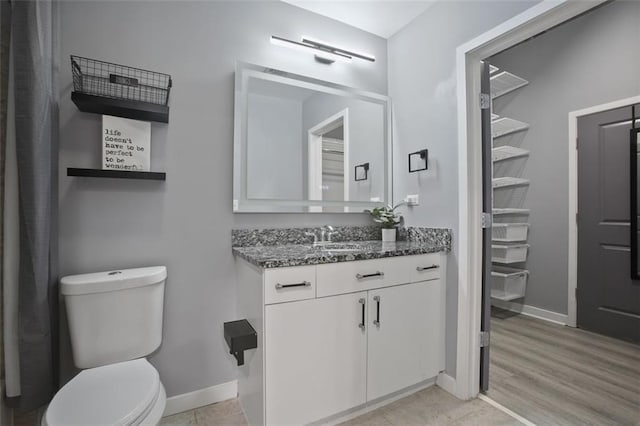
634, 198
300, 144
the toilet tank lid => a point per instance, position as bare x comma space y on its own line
101, 282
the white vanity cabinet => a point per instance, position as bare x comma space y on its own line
315, 353
334, 337
404, 346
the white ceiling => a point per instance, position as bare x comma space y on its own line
383, 18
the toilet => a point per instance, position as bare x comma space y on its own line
115, 321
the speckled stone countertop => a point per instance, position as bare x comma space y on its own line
275, 255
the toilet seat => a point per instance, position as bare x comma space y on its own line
120, 394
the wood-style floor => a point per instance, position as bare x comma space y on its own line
556, 375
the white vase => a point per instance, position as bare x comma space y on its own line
388, 235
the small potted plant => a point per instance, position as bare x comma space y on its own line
389, 219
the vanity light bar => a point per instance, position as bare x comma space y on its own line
323, 53
322, 49
339, 50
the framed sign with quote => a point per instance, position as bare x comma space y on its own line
126, 144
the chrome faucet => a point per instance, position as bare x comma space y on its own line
326, 233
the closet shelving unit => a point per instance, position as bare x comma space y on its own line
505, 182
504, 126
507, 152
503, 82
509, 238
510, 211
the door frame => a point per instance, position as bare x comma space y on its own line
314, 154
572, 308
533, 21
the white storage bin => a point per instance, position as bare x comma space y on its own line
508, 283
512, 253
509, 232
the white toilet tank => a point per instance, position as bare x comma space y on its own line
114, 316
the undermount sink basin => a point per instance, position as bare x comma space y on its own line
340, 247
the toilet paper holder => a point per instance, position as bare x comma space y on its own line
240, 336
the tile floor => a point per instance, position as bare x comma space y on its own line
431, 406
223, 413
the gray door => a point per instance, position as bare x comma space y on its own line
487, 204
608, 300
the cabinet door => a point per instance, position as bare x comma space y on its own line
405, 342
315, 358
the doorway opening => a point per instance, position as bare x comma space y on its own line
328, 148
530, 362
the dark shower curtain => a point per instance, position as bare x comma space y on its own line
34, 49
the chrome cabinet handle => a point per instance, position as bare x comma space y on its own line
302, 284
362, 302
376, 274
376, 322
426, 268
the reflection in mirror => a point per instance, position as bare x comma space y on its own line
298, 141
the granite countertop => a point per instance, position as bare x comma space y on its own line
276, 256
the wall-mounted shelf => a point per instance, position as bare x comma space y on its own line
505, 126
511, 211
135, 110
507, 152
113, 89
505, 82
505, 182
118, 174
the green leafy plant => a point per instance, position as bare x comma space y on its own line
386, 216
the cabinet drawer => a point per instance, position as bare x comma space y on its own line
424, 267
349, 277
289, 284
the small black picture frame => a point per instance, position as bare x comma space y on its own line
424, 157
364, 173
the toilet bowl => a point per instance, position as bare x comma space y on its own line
124, 394
115, 321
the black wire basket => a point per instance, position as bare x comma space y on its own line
106, 79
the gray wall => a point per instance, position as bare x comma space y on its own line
274, 126
422, 86
589, 61
185, 222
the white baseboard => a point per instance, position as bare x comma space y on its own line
447, 383
531, 311
352, 413
200, 398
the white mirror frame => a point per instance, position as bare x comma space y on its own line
243, 204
